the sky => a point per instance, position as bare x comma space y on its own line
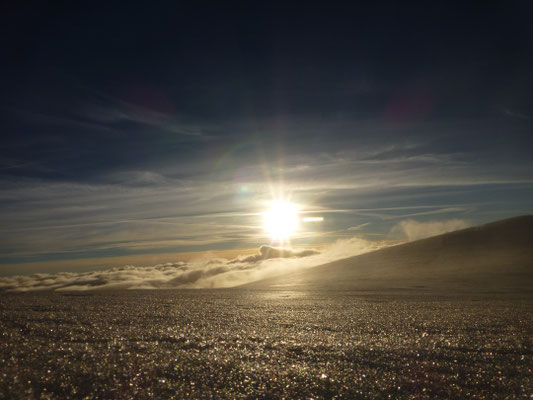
132, 134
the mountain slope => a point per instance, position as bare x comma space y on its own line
492, 257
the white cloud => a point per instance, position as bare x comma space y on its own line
213, 273
414, 230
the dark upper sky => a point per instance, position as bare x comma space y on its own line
208, 64
340, 100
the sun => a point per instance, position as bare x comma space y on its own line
281, 220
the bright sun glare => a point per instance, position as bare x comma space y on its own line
281, 220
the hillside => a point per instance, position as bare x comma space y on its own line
494, 257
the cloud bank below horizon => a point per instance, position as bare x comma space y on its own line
212, 273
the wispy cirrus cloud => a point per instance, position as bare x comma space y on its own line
114, 111
160, 199
515, 114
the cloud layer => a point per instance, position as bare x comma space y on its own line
213, 273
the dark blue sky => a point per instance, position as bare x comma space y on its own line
166, 127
